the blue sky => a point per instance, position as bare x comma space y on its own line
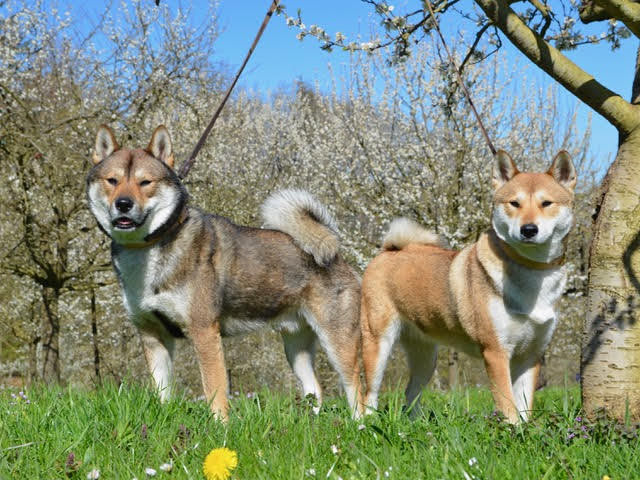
281, 58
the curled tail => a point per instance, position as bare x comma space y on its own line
403, 231
300, 215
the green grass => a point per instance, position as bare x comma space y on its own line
121, 431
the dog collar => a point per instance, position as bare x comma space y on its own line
510, 252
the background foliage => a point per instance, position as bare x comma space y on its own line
384, 141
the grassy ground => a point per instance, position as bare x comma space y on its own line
66, 433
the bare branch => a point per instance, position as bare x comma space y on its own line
472, 49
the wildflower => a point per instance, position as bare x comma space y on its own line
150, 472
166, 467
93, 474
473, 461
311, 472
361, 427
334, 449
219, 463
606, 477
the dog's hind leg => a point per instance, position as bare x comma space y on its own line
421, 357
158, 351
335, 319
380, 328
299, 347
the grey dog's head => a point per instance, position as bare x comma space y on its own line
134, 194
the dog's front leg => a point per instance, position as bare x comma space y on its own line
208, 345
496, 362
158, 351
525, 378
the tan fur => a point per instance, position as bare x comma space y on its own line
425, 295
403, 231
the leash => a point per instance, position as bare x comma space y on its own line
460, 82
186, 166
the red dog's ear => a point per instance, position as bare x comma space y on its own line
106, 144
563, 171
160, 145
504, 169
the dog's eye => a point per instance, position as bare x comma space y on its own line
144, 183
112, 181
546, 203
514, 204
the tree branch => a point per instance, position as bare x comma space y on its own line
621, 114
591, 12
625, 11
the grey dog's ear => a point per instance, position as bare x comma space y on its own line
563, 171
106, 144
504, 169
160, 145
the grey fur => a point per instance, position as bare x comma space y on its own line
205, 277
299, 214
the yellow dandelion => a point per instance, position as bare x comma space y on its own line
219, 463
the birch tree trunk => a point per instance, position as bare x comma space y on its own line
611, 346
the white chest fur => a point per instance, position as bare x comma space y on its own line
143, 277
524, 315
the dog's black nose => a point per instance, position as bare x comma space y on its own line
124, 204
529, 230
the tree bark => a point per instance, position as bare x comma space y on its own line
453, 364
49, 367
610, 364
94, 336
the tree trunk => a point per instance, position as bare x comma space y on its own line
50, 336
94, 336
454, 366
610, 364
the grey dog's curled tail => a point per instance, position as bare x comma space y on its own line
299, 214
